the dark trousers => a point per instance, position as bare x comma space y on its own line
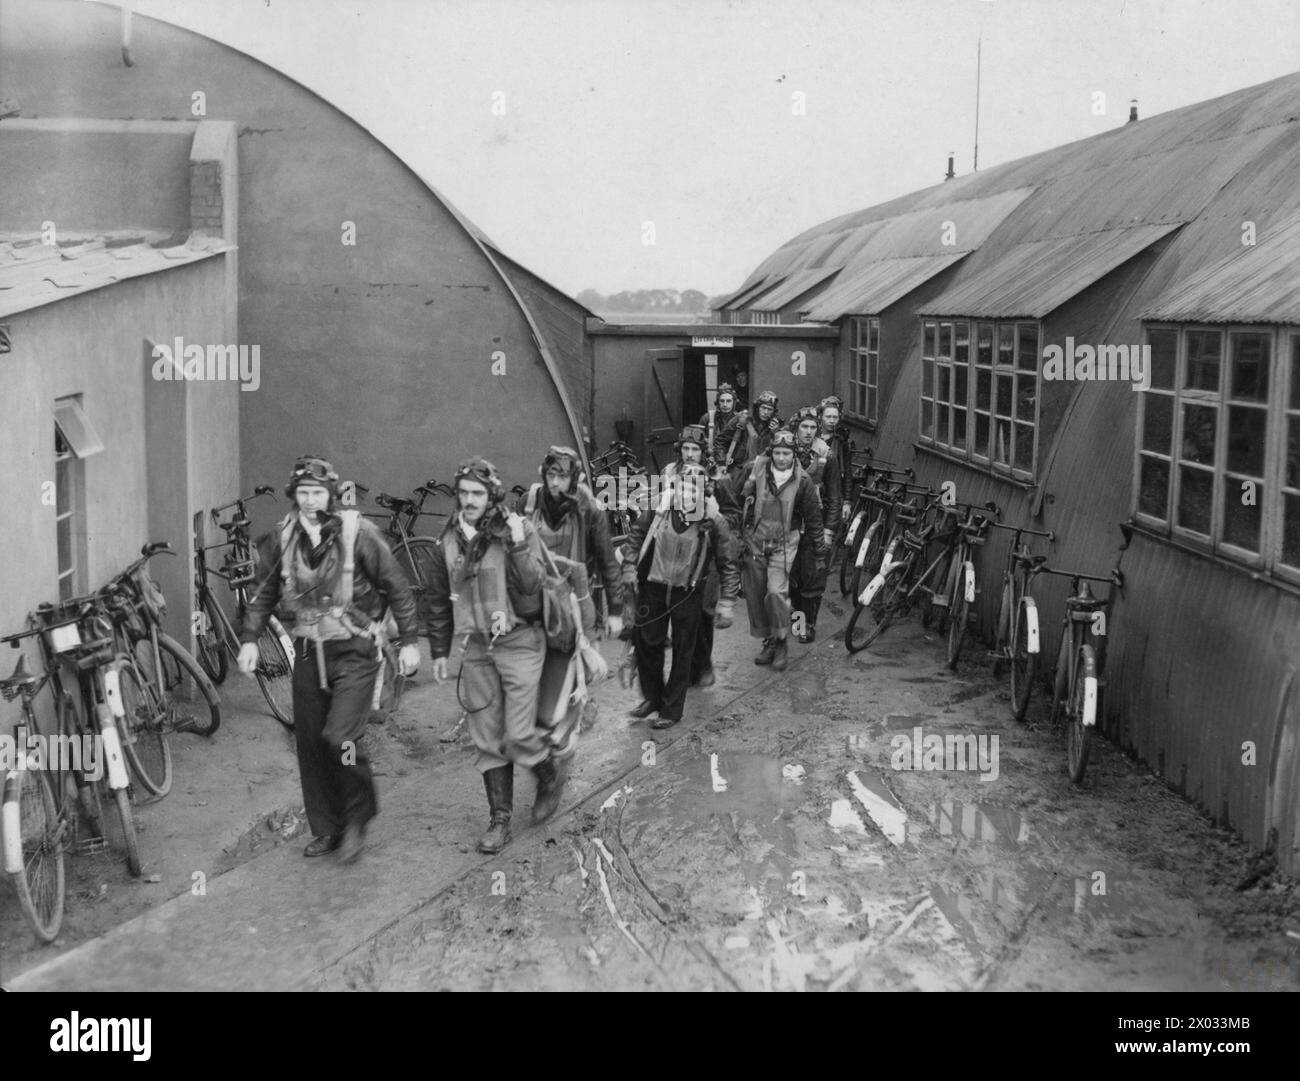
337, 785
652, 632
702, 658
807, 580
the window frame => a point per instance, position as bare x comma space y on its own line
1283, 345
862, 328
935, 331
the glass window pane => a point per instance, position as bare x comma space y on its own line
78, 432
927, 418
1004, 396
873, 370
1164, 355
1002, 442
930, 339
873, 335
945, 340
983, 389
63, 532
1024, 447
63, 486
1246, 440
940, 422
984, 344
1241, 519
1199, 422
961, 347
1291, 530
1204, 359
1250, 359
1293, 453
1157, 422
1194, 498
1026, 398
1295, 371
958, 428
1153, 495
945, 374
959, 377
981, 445
1027, 352
1006, 343
927, 378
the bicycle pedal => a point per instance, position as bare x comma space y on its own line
89, 846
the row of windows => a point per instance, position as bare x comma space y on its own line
1217, 461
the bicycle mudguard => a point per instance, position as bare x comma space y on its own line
853, 530
10, 825
278, 629
1089, 688
113, 690
112, 743
1031, 624
968, 573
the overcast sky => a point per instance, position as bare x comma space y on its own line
731, 126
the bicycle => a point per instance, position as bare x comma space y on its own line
1016, 643
79, 633
892, 591
216, 639
962, 587
860, 538
173, 693
1076, 691
413, 553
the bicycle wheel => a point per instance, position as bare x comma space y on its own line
958, 618
1061, 680
1024, 665
415, 557
144, 737
129, 839
275, 673
867, 558
1002, 636
847, 547
190, 702
40, 881
209, 643
884, 606
1082, 715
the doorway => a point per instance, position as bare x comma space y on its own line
681, 388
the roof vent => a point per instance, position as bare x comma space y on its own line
951, 174
1133, 110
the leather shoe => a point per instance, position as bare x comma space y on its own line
643, 710
322, 846
707, 679
354, 837
767, 653
664, 722
780, 656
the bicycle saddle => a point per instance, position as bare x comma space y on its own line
19, 677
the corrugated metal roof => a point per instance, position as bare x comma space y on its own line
1027, 281
747, 294
876, 286
794, 286
35, 274
1255, 284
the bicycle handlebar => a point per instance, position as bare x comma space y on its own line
261, 489
1115, 578
1025, 530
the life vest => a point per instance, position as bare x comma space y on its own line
816, 455
570, 540
320, 598
774, 511
673, 559
480, 603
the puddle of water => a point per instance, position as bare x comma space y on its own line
844, 817
906, 721
924, 679
884, 811
979, 822
793, 774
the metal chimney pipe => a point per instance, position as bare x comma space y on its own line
1133, 110
951, 174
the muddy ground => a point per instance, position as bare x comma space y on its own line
766, 842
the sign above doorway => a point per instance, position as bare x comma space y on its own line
712, 342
